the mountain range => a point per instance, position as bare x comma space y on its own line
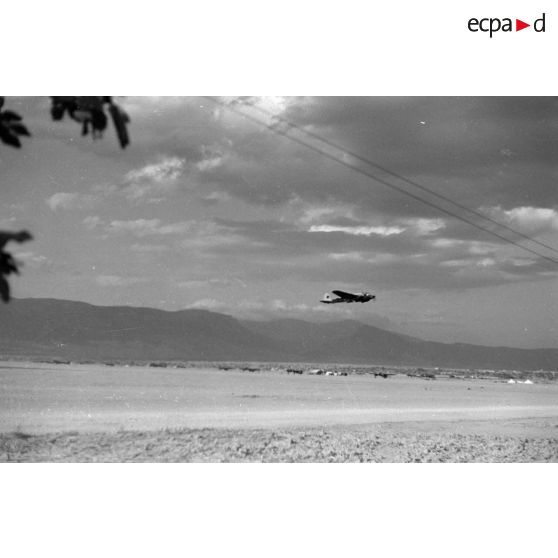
79, 331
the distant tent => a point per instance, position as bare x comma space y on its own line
527, 382
511, 381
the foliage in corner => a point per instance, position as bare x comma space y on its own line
8, 264
90, 113
11, 126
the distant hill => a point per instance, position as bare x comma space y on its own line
79, 330
351, 341
76, 330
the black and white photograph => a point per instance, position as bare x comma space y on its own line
279, 279
290, 290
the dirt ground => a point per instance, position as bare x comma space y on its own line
79, 413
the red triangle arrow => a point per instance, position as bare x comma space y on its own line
519, 25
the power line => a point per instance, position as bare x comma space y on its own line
380, 180
291, 124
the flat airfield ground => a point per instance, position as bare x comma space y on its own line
56, 412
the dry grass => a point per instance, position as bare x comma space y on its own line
308, 445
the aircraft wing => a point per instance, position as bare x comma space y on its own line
343, 294
328, 300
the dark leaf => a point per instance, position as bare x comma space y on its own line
10, 116
99, 120
7, 264
20, 129
8, 138
1, 102
120, 118
22, 236
57, 111
90, 103
4, 289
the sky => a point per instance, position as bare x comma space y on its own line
208, 209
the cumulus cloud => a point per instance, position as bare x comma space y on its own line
91, 222
527, 218
152, 182
169, 168
71, 200
315, 213
209, 164
213, 157
423, 226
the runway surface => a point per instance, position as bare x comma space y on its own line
40, 398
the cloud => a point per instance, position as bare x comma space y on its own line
486, 262
362, 258
316, 213
71, 200
268, 309
259, 309
347, 256
197, 283
423, 226
117, 281
147, 227
151, 183
193, 234
209, 235
92, 222
478, 262
418, 226
473, 247
32, 259
149, 248
213, 157
527, 218
206, 165
457, 154
7, 222
358, 231
208, 304
216, 197
168, 169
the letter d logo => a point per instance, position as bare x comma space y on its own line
539, 24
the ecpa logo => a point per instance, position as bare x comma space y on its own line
494, 24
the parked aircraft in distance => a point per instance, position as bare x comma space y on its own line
347, 297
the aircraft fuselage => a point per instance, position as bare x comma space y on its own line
347, 297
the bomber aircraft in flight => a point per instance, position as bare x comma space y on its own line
347, 297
